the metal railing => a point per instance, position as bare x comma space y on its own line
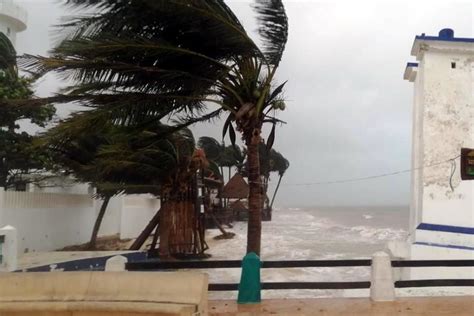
177, 265
432, 282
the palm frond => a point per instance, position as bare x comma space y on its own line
273, 28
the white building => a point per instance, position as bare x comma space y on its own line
442, 206
12, 19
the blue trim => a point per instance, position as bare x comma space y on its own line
444, 39
447, 228
88, 264
412, 65
443, 246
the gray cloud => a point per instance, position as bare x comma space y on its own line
349, 110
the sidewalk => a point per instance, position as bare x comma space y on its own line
419, 306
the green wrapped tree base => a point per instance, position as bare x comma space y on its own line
249, 287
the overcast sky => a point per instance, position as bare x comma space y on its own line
348, 108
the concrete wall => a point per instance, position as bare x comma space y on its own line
49, 221
104, 293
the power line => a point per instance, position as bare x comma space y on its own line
383, 175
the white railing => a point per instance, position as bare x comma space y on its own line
16, 200
11, 9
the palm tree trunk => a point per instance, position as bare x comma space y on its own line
276, 190
254, 230
264, 194
98, 222
165, 222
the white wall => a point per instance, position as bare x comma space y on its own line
136, 213
448, 125
424, 252
66, 185
112, 218
127, 215
49, 221
443, 124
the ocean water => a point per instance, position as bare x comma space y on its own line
313, 233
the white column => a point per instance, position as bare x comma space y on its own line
382, 287
116, 264
9, 249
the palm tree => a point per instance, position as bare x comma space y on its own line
222, 155
213, 150
144, 60
119, 159
270, 161
168, 163
17, 158
232, 157
280, 165
74, 149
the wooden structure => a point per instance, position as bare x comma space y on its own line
180, 223
236, 191
236, 188
240, 210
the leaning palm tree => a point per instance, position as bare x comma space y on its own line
119, 159
280, 165
73, 149
223, 156
213, 150
146, 59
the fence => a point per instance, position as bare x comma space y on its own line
381, 284
50, 221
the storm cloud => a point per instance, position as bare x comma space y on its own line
348, 108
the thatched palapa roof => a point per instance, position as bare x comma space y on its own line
236, 188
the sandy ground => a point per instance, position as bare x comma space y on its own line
104, 243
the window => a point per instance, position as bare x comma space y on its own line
9, 31
453, 65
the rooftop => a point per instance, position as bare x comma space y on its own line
236, 188
444, 36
